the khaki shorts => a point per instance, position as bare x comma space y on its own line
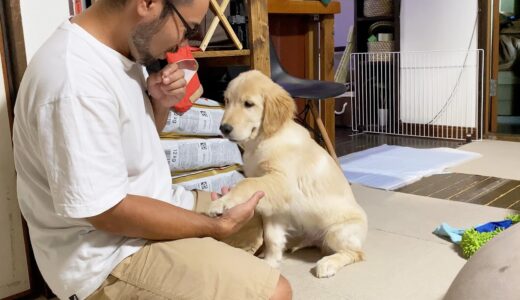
195, 268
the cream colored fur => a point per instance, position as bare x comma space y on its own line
308, 201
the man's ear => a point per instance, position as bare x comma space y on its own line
279, 107
149, 9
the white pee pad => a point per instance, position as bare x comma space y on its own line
391, 167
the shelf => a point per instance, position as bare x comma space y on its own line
221, 53
314, 7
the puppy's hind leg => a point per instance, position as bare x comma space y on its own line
275, 240
345, 242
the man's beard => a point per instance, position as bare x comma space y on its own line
141, 39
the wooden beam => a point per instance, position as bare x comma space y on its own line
259, 36
311, 64
311, 57
15, 42
6, 69
327, 72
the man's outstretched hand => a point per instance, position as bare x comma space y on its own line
234, 218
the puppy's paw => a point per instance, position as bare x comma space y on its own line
273, 262
219, 206
230, 204
216, 208
327, 267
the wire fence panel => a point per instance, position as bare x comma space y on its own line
434, 94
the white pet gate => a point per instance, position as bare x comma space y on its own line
434, 94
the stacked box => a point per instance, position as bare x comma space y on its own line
198, 156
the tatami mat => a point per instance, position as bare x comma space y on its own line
404, 259
499, 159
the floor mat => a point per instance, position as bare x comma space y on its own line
391, 167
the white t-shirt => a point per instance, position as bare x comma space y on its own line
84, 138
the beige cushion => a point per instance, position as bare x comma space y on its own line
491, 273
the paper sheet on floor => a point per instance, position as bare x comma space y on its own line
391, 167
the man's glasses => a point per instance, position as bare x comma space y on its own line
191, 32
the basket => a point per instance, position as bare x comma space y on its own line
374, 48
378, 8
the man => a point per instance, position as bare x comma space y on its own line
93, 182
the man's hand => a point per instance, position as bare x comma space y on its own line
166, 88
233, 219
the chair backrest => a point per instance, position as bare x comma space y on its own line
277, 69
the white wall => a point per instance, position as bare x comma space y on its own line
342, 22
39, 19
445, 95
14, 276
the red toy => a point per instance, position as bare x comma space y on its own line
184, 59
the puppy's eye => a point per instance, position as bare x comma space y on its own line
249, 104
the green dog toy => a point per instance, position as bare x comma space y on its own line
472, 240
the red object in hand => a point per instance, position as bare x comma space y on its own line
184, 59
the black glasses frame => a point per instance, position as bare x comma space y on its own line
191, 32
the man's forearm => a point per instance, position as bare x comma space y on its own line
138, 216
160, 116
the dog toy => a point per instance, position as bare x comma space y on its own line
473, 239
184, 59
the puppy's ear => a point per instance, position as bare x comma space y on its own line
279, 107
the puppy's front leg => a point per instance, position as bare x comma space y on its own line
275, 240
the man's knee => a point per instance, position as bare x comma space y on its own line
283, 290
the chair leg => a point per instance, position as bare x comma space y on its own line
323, 132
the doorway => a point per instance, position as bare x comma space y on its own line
505, 70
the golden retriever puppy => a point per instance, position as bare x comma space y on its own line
308, 200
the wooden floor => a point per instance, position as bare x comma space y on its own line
476, 189
485, 190
347, 142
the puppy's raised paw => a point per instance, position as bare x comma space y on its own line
216, 208
219, 206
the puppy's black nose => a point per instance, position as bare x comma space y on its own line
226, 129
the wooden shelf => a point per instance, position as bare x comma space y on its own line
314, 7
221, 53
